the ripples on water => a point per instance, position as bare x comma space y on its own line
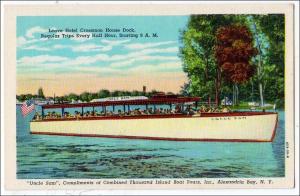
41, 157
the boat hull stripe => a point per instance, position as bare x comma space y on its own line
152, 138
274, 130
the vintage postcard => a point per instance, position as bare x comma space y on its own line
187, 96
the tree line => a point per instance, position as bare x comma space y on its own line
235, 56
87, 96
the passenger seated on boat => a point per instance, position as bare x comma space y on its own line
135, 112
138, 112
178, 109
225, 109
172, 111
67, 115
77, 114
221, 109
156, 111
49, 115
110, 113
161, 110
149, 111
122, 113
132, 113
191, 112
37, 116
202, 108
119, 112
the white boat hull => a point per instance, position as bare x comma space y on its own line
252, 128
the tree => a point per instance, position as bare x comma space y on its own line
273, 27
72, 96
269, 41
197, 53
103, 93
115, 93
234, 51
84, 96
41, 93
261, 45
92, 96
185, 89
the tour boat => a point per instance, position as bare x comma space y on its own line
227, 126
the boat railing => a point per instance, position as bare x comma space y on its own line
136, 113
115, 116
145, 116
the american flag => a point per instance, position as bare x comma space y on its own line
27, 107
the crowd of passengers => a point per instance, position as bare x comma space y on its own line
135, 112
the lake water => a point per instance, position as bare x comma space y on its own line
43, 157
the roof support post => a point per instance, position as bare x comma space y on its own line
124, 108
113, 108
146, 106
42, 112
62, 112
170, 106
81, 111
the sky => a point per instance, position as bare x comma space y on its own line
62, 65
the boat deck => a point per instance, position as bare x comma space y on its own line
153, 116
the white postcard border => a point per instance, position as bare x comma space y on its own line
9, 70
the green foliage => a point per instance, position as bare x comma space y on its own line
87, 96
274, 27
103, 93
72, 96
197, 54
41, 93
272, 37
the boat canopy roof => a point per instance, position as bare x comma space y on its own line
153, 100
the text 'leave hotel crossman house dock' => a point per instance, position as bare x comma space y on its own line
181, 124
